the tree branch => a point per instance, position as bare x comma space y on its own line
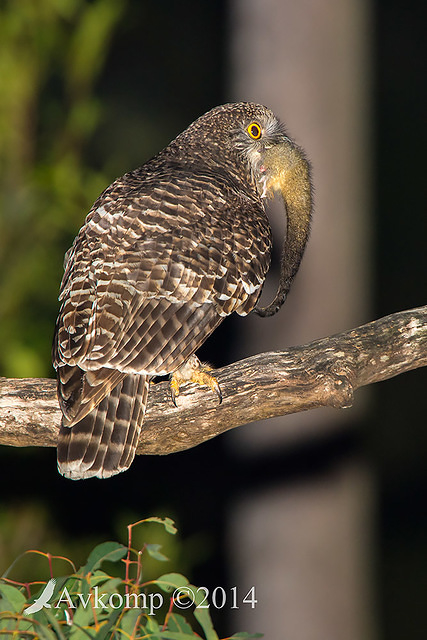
322, 373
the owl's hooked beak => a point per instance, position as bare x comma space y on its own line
288, 171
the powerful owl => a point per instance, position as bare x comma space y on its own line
165, 254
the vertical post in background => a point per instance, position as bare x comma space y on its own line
305, 546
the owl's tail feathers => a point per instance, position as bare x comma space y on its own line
104, 442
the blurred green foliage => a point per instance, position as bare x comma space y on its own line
112, 595
26, 525
82, 99
51, 54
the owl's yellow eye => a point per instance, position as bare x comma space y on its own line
254, 130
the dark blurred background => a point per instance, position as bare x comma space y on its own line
89, 90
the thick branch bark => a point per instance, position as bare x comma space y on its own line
325, 372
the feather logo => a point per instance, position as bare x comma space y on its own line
43, 600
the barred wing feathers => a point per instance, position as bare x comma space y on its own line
149, 277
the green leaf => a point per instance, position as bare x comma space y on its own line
244, 635
129, 621
175, 635
168, 523
106, 627
82, 616
203, 616
109, 586
204, 619
81, 633
152, 625
152, 629
98, 577
153, 551
154, 632
56, 626
11, 599
9, 569
45, 633
169, 581
111, 551
10, 622
179, 623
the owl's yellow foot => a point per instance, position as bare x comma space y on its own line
193, 371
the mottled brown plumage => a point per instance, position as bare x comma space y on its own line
166, 252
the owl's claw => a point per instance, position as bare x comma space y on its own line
174, 389
214, 385
193, 371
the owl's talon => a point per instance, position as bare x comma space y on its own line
174, 390
215, 387
193, 371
